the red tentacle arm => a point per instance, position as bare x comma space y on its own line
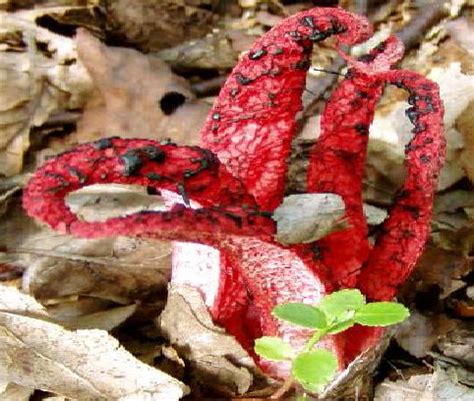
250, 129
406, 230
253, 120
336, 166
337, 161
192, 172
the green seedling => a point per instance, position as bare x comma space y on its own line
314, 368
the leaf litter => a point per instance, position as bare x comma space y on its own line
451, 237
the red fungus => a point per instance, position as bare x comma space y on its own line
237, 179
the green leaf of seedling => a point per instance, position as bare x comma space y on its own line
314, 369
381, 314
338, 303
273, 348
301, 315
341, 326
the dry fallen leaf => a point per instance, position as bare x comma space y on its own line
151, 25
14, 392
103, 320
81, 364
308, 217
137, 96
40, 76
459, 344
213, 52
6, 196
442, 385
122, 270
419, 333
100, 202
216, 357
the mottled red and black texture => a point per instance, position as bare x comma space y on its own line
192, 172
236, 180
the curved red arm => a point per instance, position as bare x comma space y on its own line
406, 230
337, 161
252, 123
192, 172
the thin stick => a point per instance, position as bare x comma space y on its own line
287, 385
328, 71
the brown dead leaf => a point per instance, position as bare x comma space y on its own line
71, 315
216, 357
103, 320
308, 217
40, 76
453, 222
459, 344
14, 392
6, 196
100, 202
151, 25
121, 269
419, 333
213, 52
462, 31
81, 364
443, 385
437, 268
137, 96
465, 125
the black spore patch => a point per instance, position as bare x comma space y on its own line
154, 153
132, 162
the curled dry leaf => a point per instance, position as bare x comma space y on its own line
40, 76
465, 125
453, 223
214, 52
81, 364
6, 197
14, 392
442, 385
137, 96
103, 320
215, 356
459, 344
419, 333
12, 300
461, 30
121, 270
151, 25
308, 217
102, 202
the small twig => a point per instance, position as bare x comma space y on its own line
277, 395
287, 385
397, 371
412, 33
319, 86
328, 71
209, 87
58, 119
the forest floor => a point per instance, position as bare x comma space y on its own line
78, 316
